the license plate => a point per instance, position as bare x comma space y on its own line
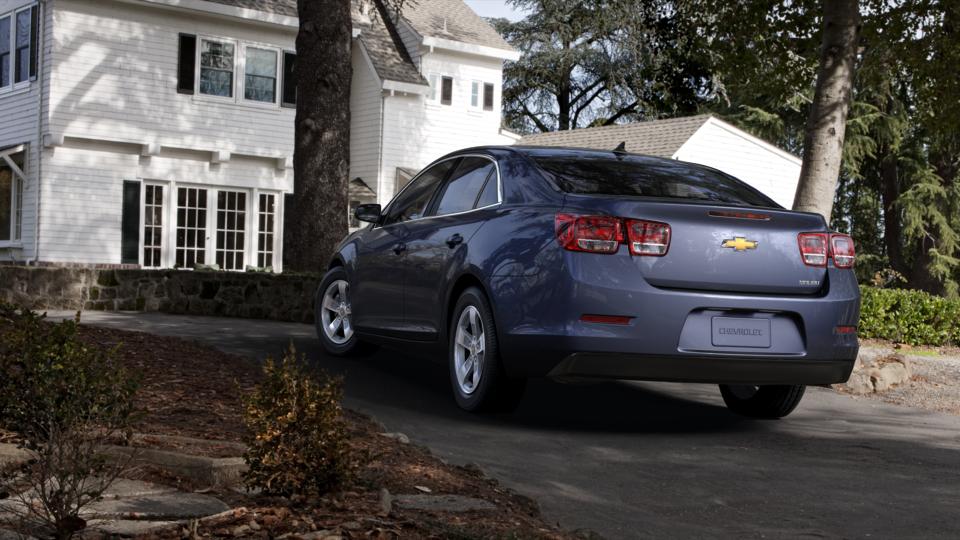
739, 332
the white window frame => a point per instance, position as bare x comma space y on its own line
433, 79
168, 252
476, 95
19, 178
12, 15
239, 72
198, 68
278, 73
164, 221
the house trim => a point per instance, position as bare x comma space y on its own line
468, 48
223, 10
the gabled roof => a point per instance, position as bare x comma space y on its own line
453, 20
654, 138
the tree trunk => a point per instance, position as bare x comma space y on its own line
316, 216
889, 195
823, 141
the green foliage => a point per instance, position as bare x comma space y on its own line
51, 381
597, 62
64, 400
298, 443
909, 316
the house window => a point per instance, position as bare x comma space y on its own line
191, 227
11, 190
231, 226
446, 90
475, 94
153, 226
5, 48
260, 75
487, 97
22, 43
216, 68
266, 215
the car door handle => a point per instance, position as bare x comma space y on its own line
454, 240
399, 248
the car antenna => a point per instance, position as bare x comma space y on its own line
620, 149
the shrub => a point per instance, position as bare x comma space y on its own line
909, 316
64, 401
298, 443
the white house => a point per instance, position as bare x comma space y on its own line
703, 139
159, 133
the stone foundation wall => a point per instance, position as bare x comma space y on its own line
282, 297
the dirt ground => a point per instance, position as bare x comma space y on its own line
190, 390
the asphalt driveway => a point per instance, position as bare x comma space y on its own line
653, 460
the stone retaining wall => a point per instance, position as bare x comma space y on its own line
282, 297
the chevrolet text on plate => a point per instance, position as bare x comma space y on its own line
519, 262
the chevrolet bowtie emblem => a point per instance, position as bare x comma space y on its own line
740, 244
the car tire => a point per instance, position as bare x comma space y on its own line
489, 389
770, 402
341, 340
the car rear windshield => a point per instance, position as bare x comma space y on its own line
639, 176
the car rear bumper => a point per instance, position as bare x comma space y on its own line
703, 369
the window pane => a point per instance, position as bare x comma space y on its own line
22, 67
5, 51
216, 68
640, 176
230, 227
434, 81
413, 200
490, 193
6, 201
475, 94
260, 83
446, 91
461, 191
488, 97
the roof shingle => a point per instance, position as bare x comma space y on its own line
654, 138
451, 19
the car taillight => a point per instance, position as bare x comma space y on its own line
603, 234
595, 234
816, 248
842, 250
813, 248
648, 237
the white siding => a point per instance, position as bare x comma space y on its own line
114, 88
418, 131
115, 78
723, 147
365, 120
83, 188
18, 125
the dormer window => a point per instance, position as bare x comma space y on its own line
216, 68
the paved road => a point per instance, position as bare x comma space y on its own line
652, 460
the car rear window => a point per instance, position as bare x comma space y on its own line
639, 176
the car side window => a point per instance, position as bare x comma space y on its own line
461, 191
413, 200
491, 192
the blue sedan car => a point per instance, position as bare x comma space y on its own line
519, 262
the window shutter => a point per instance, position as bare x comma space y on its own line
289, 98
34, 40
130, 224
446, 91
487, 97
186, 66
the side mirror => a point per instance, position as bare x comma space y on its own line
368, 212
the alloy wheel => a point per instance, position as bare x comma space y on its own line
335, 312
468, 350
